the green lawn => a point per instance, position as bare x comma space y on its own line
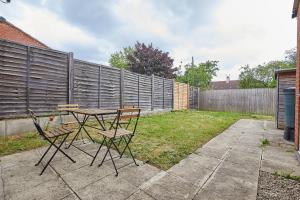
161, 140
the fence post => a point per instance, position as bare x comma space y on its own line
152, 92
27, 78
70, 78
122, 88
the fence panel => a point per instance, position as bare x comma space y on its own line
13, 79
168, 93
193, 97
158, 93
131, 88
48, 81
110, 87
145, 92
260, 101
86, 84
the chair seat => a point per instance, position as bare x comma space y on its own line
73, 124
120, 122
63, 130
111, 133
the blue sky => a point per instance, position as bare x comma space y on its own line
234, 32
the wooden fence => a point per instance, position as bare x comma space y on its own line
181, 96
260, 101
40, 79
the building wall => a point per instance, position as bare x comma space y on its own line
284, 80
297, 109
8, 32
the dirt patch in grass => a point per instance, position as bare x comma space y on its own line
276, 187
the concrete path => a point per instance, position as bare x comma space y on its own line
227, 167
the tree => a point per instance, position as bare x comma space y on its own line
262, 76
291, 57
120, 59
199, 75
148, 60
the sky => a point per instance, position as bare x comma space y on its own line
233, 32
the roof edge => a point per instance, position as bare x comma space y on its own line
284, 71
295, 8
3, 20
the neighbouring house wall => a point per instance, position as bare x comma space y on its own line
284, 80
11, 33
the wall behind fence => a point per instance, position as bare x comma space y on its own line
260, 101
39, 79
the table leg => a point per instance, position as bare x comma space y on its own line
102, 126
81, 125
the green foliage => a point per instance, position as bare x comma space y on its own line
263, 76
287, 175
120, 59
199, 75
149, 60
264, 142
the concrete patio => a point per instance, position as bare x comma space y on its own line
227, 167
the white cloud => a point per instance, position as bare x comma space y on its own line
51, 29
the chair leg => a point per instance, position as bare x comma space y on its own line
132, 156
45, 152
94, 158
107, 146
127, 147
57, 149
127, 143
113, 162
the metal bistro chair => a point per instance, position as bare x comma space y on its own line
113, 134
124, 122
62, 108
51, 136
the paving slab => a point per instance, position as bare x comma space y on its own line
195, 169
223, 187
49, 190
110, 187
215, 152
71, 197
1, 184
166, 186
20, 178
140, 195
137, 175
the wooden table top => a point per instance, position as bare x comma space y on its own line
92, 111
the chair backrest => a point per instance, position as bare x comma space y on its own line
64, 107
36, 123
127, 114
127, 106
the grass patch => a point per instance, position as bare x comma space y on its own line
16, 143
287, 175
264, 143
161, 140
